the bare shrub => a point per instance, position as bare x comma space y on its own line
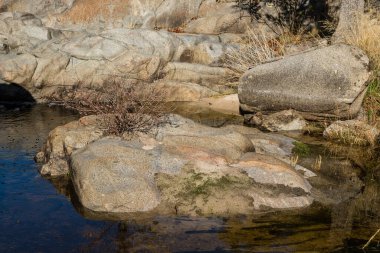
290, 16
122, 109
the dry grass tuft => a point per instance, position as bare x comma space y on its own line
372, 102
318, 163
257, 49
123, 109
352, 133
294, 160
86, 11
366, 35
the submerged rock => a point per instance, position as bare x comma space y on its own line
269, 170
281, 202
273, 144
288, 120
324, 82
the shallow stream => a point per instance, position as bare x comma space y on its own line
38, 215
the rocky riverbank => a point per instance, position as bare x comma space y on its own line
178, 46
180, 166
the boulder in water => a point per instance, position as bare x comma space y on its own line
325, 82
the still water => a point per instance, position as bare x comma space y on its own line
38, 215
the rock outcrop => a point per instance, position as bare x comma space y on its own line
325, 82
38, 7
46, 52
44, 60
180, 166
197, 16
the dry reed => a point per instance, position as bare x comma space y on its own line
257, 49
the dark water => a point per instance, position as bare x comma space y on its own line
37, 215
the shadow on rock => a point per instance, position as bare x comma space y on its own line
14, 93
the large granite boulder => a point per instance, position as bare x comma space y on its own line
323, 82
197, 16
181, 167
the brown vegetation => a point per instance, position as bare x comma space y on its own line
291, 16
372, 102
366, 35
123, 109
257, 49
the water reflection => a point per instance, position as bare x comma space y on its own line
25, 127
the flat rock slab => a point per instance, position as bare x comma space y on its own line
269, 170
325, 82
280, 202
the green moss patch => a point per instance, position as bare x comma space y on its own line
301, 149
